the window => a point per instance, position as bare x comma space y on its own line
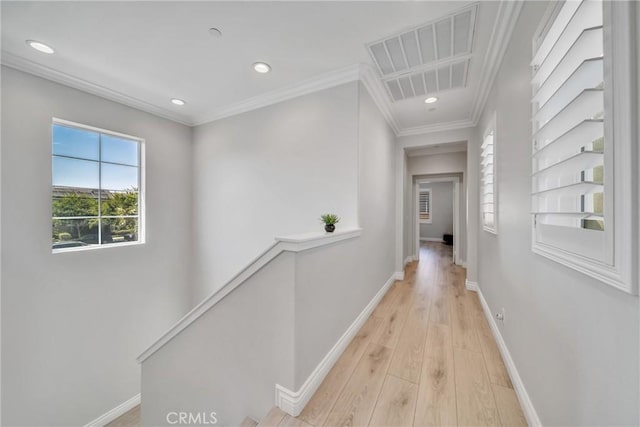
96, 191
488, 174
425, 205
580, 73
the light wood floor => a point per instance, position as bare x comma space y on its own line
425, 357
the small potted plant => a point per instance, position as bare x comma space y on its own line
330, 221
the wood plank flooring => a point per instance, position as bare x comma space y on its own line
425, 357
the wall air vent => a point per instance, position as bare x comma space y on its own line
426, 45
438, 79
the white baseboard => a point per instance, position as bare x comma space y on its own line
431, 239
463, 263
399, 275
471, 286
293, 402
116, 412
525, 402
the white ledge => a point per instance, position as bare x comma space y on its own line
294, 243
304, 241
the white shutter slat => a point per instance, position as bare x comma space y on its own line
578, 162
572, 36
590, 73
591, 77
576, 189
588, 46
588, 105
583, 133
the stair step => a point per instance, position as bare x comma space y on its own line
273, 418
249, 422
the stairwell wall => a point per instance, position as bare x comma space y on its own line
73, 323
268, 172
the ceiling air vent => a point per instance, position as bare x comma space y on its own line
420, 47
441, 78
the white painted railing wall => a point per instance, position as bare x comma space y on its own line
277, 327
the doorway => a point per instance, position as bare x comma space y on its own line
437, 212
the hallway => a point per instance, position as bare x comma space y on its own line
426, 356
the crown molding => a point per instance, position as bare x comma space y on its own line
437, 127
324, 81
373, 84
30, 67
508, 13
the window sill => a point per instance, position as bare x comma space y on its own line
490, 230
604, 273
94, 247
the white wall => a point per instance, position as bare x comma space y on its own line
448, 164
347, 277
574, 340
268, 172
229, 360
73, 323
441, 211
308, 299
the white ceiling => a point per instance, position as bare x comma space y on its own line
149, 52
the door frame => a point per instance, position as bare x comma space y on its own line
456, 214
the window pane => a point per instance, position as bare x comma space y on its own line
67, 233
75, 173
119, 178
119, 203
119, 230
75, 142
119, 150
65, 203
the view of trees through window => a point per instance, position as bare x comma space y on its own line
95, 193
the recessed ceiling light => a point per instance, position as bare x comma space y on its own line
177, 101
215, 32
262, 67
40, 47
431, 100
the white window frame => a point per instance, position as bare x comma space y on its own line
491, 128
430, 220
621, 224
141, 190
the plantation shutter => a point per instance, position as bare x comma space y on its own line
568, 182
487, 169
425, 205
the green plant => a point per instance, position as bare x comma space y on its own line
330, 219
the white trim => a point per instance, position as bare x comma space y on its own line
116, 412
471, 286
457, 220
30, 67
431, 239
376, 89
463, 263
505, 22
293, 402
324, 81
436, 127
297, 243
508, 13
525, 401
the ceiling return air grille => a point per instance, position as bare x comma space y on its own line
426, 45
444, 77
